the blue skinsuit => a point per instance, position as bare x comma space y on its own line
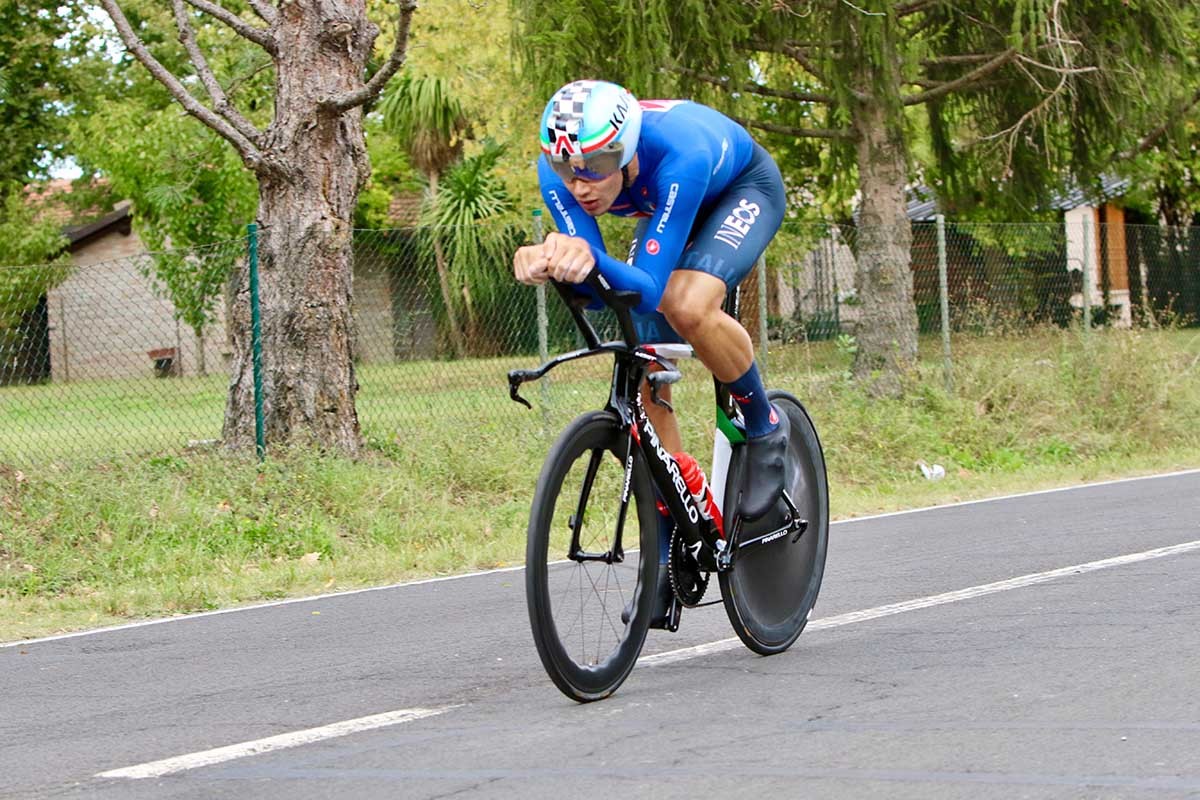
709, 197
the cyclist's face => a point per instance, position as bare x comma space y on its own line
596, 197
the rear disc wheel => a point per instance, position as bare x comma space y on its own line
772, 588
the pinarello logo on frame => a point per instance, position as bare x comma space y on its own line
652, 246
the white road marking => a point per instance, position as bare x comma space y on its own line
330, 595
167, 766
685, 653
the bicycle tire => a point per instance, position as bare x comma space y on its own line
771, 591
585, 678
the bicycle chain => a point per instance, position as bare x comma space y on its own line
687, 580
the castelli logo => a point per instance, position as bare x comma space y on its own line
652, 246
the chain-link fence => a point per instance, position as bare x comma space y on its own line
100, 356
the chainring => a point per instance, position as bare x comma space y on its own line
688, 581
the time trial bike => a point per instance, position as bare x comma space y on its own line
608, 485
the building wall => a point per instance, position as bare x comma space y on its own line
1110, 258
373, 319
107, 316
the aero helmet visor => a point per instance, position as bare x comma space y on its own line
592, 167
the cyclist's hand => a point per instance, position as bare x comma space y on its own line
570, 258
530, 266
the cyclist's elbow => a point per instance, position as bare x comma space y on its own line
651, 297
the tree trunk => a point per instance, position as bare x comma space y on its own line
443, 272
887, 332
315, 163
201, 363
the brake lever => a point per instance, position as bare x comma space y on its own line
659, 379
515, 378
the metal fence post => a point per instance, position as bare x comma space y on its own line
944, 295
1087, 275
260, 444
762, 315
66, 352
543, 323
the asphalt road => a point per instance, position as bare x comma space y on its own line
1070, 684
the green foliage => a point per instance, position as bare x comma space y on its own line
39, 82
469, 202
1006, 146
188, 186
188, 189
423, 113
391, 174
446, 487
1168, 174
470, 220
24, 240
1082, 84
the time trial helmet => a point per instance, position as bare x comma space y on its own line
590, 129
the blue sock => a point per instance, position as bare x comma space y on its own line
750, 394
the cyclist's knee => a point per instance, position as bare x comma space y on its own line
690, 304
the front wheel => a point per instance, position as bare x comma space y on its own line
577, 595
772, 588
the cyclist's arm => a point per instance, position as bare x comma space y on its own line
681, 182
572, 220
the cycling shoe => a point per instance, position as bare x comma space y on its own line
766, 470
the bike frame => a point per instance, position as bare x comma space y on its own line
633, 364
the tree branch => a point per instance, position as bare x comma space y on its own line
347, 100
798, 54
249, 152
259, 36
970, 58
266, 12
808, 133
1153, 136
221, 103
754, 88
913, 8
966, 80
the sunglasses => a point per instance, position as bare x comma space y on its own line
591, 167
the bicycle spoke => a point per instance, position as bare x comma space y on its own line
584, 645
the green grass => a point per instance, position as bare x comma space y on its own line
88, 540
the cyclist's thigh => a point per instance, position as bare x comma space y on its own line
736, 230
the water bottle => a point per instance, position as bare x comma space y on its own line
697, 484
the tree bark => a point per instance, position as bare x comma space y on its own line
308, 185
443, 272
887, 333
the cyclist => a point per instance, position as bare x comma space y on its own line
710, 199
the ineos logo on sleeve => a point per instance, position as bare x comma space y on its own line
652, 246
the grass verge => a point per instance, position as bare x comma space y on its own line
446, 488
